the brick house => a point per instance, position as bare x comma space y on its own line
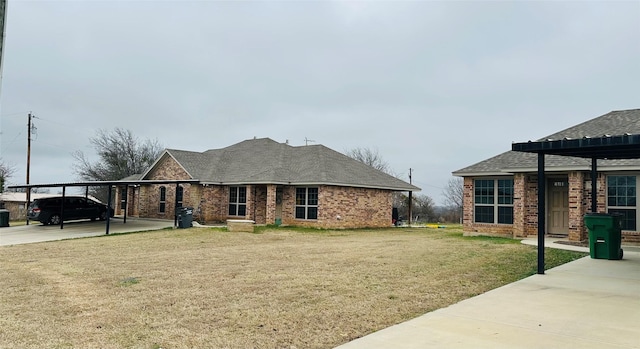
500, 193
267, 182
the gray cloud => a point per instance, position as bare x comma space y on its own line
434, 86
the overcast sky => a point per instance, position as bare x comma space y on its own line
432, 86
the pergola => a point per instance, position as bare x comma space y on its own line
110, 185
625, 146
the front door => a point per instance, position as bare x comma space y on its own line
558, 206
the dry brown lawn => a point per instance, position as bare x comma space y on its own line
204, 288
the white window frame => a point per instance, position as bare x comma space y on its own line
238, 202
306, 205
496, 205
637, 205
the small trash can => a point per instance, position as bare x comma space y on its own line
605, 235
4, 218
185, 217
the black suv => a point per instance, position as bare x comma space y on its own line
47, 210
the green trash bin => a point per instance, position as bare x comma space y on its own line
605, 235
4, 218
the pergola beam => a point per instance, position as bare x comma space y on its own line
625, 146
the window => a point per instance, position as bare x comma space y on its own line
237, 201
493, 201
179, 196
123, 199
163, 199
307, 203
621, 199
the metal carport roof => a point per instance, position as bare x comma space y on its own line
109, 184
625, 146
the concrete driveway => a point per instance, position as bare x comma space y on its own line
36, 232
587, 303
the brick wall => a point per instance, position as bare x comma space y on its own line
270, 216
467, 204
133, 201
531, 207
577, 230
213, 204
17, 210
259, 212
520, 199
343, 207
472, 229
167, 169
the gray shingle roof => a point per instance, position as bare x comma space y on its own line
613, 123
264, 161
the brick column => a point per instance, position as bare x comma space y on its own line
602, 192
250, 203
467, 202
577, 230
271, 204
519, 205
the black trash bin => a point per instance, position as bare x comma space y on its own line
4, 218
605, 235
185, 217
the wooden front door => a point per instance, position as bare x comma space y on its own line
558, 206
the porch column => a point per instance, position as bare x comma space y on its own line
542, 211
577, 230
251, 207
271, 204
519, 205
594, 185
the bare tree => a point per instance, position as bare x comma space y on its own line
121, 155
371, 158
454, 194
423, 208
6, 171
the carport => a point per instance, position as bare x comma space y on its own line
609, 147
110, 185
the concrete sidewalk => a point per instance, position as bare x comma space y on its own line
36, 232
588, 303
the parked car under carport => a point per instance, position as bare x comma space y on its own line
54, 210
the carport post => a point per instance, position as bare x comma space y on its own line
175, 207
541, 212
28, 203
594, 185
64, 189
126, 203
108, 209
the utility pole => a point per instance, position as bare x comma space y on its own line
410, 197
28, 146
28, 162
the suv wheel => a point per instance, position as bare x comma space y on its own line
54, 219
